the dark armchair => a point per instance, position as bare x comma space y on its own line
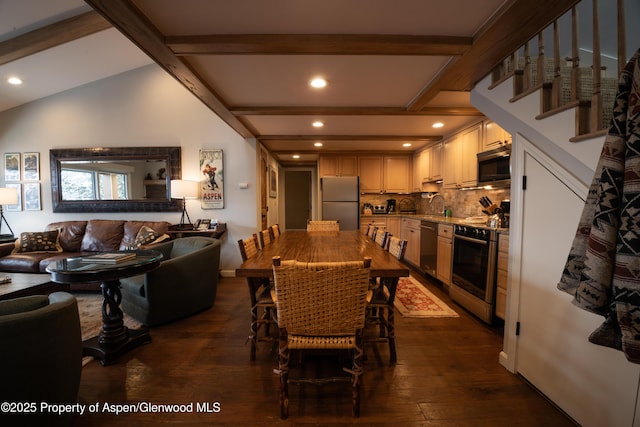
41, 355
184, 284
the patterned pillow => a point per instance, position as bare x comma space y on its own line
146, 236
45, 241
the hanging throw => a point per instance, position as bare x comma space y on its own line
602, 271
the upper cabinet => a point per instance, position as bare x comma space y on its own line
396, 174
494, 136
470, 143
460, 158
385, 174
427, 166
335, 165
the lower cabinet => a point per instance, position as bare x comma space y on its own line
502, 276
410, 231
376, 221
393, 226
445, 253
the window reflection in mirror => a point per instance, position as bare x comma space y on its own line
113, 180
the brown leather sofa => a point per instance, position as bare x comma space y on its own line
75, 238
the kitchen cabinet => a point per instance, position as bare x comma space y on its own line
388, 174
421, 166
460, 158
396, 174
502, 276
427, 167
445, 253
410, 231
451, 162
469, 148
379, 221
493, 136
435, 162
393, 225
370, 171
335, 165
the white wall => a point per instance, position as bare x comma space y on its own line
143, 107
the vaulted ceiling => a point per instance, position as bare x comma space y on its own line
393, 67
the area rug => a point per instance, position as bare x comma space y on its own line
414, 300
90, 310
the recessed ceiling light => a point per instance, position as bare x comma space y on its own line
318, 82
296, 156
406, 144
317, 124
437, 125
14, 81
317, 144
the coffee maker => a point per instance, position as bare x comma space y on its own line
391, 206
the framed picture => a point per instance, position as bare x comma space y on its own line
32, 196
12, 166
212, 179
273, 182
31, 166
18, 206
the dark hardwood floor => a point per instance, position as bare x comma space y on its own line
447, 374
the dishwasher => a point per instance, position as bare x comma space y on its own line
428, 247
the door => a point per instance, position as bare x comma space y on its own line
264, 207
595, 385
297, 199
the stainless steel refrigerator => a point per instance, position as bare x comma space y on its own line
341, 201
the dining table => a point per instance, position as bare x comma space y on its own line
319, 246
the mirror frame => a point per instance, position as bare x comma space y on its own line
172, 155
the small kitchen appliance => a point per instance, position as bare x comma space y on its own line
379, 209
391, 206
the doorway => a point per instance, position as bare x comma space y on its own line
297, 199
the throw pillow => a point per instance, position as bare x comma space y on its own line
45, 241
146, 236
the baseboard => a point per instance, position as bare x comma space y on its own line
228, 273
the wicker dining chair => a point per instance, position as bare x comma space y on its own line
380, 298
321, 306
380, 237
324, 225
265, 237
262, 296
275, 231
371, 231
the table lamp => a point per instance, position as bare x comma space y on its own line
183, 189
8, 196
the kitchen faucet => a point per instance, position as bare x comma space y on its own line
432, 198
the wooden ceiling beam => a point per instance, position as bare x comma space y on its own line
51, 36
318, 44
349, 138
518, 22
124, 15
352, 111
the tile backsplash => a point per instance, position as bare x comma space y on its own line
462, 203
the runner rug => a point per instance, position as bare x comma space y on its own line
414, 300
90, 310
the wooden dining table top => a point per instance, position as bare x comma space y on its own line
323, 246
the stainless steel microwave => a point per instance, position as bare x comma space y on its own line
494, 166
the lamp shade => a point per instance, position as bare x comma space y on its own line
181, 188
8, 196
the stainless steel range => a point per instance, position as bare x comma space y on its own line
474, 270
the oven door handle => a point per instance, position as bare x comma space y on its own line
471, 239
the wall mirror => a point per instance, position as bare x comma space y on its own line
114, 179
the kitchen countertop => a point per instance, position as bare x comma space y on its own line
440, 219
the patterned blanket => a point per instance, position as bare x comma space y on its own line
602, 271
